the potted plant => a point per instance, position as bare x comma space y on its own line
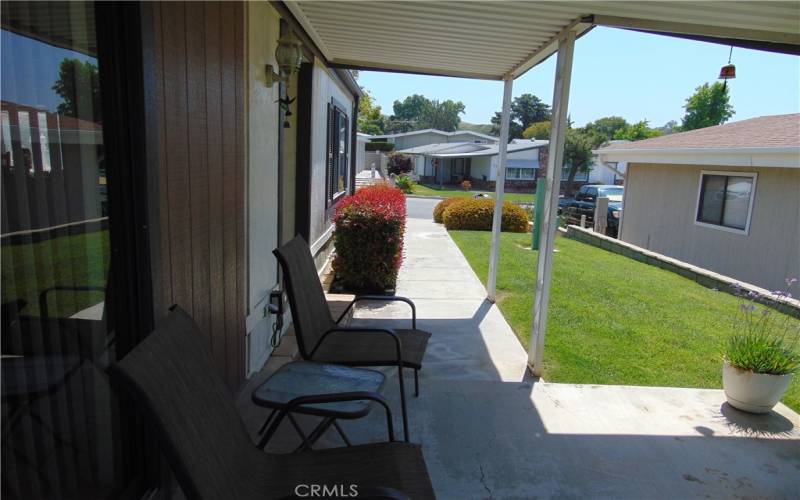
761, 355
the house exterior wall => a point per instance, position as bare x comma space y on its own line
660, 208
263, 119
361, 154
601, 174
325, 86
529, 155
461, 137
289, 168
196, 139
412, 141
482, 167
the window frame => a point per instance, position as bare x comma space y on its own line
700, 193
333, 158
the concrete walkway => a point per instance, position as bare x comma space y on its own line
489, 431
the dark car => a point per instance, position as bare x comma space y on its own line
584, 204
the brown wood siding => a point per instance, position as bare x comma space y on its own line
198, 107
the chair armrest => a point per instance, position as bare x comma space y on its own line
76, 288
344, 330
383, 298
334, 398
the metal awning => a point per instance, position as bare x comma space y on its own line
493, 40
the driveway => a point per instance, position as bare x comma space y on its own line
421, 208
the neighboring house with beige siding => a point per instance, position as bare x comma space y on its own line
427, 136
725, 198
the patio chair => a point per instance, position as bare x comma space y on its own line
321, 338
172, 377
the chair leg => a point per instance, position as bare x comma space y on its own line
416, 382
403, 403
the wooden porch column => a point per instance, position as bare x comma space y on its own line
558, 130
500, 185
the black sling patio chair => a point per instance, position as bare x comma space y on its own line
174, 382
321, 338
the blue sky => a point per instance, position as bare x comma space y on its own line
618, 72
30, 68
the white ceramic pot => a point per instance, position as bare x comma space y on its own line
753, 392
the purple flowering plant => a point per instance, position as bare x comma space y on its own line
763, 341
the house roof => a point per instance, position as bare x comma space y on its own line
763, 141
496, 40
470, 149
435, 131
439, 147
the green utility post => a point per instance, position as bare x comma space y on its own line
538, 212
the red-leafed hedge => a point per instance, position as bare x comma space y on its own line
369, 239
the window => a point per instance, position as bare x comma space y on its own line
521, 173
338, 152
725, 200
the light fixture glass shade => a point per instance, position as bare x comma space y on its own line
727, 72
288, 54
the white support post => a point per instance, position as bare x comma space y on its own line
500, 184
566, 45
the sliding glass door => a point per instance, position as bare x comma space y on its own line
61, 432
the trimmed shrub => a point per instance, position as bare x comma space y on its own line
399, 164
369, 239
438, 210
476, 215
379, 146
466, 185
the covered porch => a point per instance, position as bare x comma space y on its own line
489, 429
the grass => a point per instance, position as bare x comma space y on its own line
613, 320
28, 269
450, 192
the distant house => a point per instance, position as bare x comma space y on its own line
725, 198
427, 136
608, 172
451, 163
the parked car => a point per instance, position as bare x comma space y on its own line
584, 204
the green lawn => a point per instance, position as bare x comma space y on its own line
612, 320
28, 269
449, 192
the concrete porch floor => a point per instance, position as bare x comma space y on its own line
488, 430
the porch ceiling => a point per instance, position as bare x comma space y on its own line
492, 40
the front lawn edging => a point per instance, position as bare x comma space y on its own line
704, 277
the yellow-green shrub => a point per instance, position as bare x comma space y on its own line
438, 210
476, 215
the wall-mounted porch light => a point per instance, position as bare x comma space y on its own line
289, 55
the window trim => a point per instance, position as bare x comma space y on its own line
720, 227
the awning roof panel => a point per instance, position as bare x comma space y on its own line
504, 38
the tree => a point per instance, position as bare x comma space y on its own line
411, 108
670, 128
514, 128
538, 130
708, 106
78, 85
578, 155
637, 131
370, 119
417, 112
525, 110
442, 115
604, 129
